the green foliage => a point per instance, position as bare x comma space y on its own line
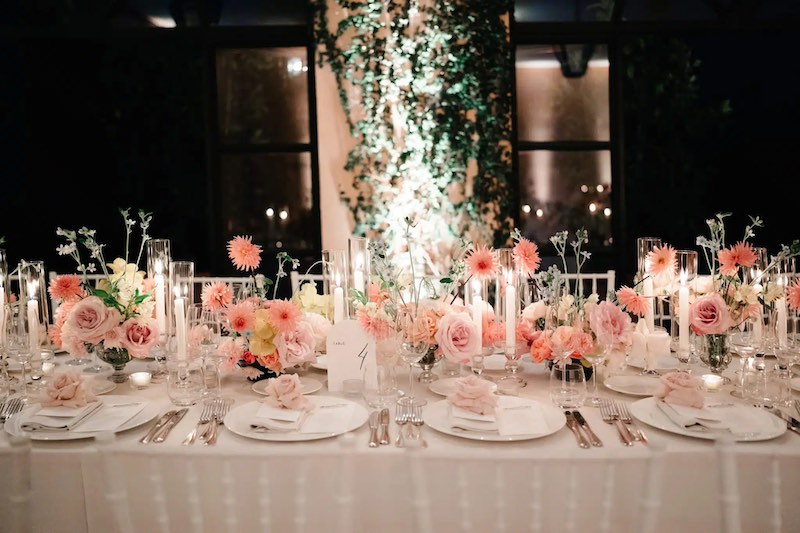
427, 92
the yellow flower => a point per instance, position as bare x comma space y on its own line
310, 302
129, 271
262, 342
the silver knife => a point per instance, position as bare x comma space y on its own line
573, 425
385, 426
157, 426
791, 423
373, 429
582, 421
171, 423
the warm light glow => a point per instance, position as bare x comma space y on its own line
592, 207
526, 209
158, 266
600, 188
584, 188
283, 215
607, 211
270, 212
33, 289
539, 213
684, 277
294, 66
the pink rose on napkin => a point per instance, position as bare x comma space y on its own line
457, 337
681, 388
709, 315
286, 391
68, 390
474, 394
140, 336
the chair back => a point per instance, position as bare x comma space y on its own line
297, 279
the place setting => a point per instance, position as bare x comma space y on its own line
286, 414
69, 410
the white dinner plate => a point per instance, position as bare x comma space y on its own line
150, 411
634, 385
321, 362
664, 363
239, 418
102, 386
445, 386
646, 410
309, 385
436, 416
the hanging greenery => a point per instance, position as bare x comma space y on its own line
426, 88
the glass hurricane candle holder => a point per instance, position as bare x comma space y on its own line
358, 260
334, 274
181, 282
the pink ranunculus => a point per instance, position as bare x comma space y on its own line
611, 325
89, 320
457, 337
140, 336
69, 390
540, 347
709, 315
297, 346
473, 394
286, 391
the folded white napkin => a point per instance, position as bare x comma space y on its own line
689, 417
110, 417
59, 418
324, 418
512, 416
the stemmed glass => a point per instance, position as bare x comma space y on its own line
205, 335
413, 346
605, 343
18, 346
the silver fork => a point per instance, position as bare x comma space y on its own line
12, 407
417, 422
205, 418
610, 417
221, 409
625, 416
400, 418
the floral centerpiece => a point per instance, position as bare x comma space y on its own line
731, 297
266, 335
114, 317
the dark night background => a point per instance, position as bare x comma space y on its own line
97, 113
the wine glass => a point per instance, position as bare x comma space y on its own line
18, 346
567, 385
413, 346
597, 356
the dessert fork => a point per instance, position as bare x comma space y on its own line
625, 416
221, 408
205, 418
417, 422
400, 418
610, 417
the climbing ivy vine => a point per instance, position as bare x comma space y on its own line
426, 88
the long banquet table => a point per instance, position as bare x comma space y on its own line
341, 484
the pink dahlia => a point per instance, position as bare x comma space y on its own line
482, 263
217, 295
284, 315
243, 253
661, 260
526, 256
66, 287
632, 301
241, 317
793, 291
730, 259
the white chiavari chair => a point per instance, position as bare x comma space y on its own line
600, 283
298, 278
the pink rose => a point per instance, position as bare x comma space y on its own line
611, 325
140, 336
320, 326
68, 390
709, 315
286, 391
89, 321
473, 394
540, 347
457, 337
297, 346
681, 388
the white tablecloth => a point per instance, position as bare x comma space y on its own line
340, 484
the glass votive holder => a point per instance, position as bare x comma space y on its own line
712, 382
353, 387
508, 386
140, 380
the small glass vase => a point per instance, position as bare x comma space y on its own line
716, 352
117, 358
427, 363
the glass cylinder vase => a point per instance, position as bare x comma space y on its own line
716, 352
335, 282
33, 291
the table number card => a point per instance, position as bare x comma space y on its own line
350, 354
